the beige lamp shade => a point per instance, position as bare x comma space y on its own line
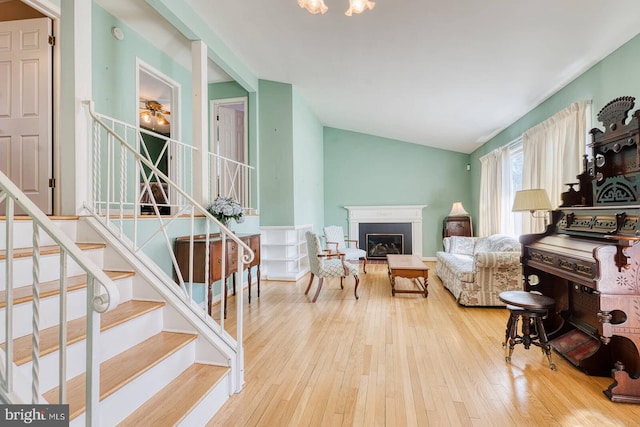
531, 200
458, 210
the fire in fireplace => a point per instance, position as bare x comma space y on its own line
379, 245
382, 238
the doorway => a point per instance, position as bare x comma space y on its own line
229, 146
158, 120
26, 102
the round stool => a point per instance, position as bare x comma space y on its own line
532, 308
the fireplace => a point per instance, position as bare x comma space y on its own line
405, 220
380, 245
382, 238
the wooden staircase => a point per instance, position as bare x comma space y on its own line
157, 366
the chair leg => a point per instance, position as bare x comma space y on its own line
341, 285
364, 265
355, 290
309, 285
544, 342
315, 297
513, 337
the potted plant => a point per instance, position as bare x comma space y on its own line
224, 209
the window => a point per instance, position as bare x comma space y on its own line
512, 182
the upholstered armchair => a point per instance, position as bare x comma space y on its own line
334, 238
323, 263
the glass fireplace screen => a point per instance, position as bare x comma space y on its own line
380, 245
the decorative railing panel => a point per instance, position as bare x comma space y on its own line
146, 209
102, 295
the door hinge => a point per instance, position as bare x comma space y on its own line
218, 118
52, 183
52, 40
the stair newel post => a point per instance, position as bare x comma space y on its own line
239, 322
92, 385
8, 369
35, 338
62, 360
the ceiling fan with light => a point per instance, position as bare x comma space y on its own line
152, 113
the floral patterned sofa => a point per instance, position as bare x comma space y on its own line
477, 269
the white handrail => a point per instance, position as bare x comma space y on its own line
102, 302
114, 206
157, 172
102, 295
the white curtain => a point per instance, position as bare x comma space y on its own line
490, 206
552, 155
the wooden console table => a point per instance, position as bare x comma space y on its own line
410, 267
181, 250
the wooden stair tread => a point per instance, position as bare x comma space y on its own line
76, 329
47, 289
51, 217
123, 368
170, 405
48, 250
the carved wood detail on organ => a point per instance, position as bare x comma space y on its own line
588, 259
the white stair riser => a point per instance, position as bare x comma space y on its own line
50, 309
112, 342
49, 313
210, 404
118, 406
123, 402
49, 268
23, 233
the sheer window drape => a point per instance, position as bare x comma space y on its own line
491, 181
553, 153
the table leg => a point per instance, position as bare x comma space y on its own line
425, 280
393, 285
249, 282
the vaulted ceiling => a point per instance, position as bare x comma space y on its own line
443, 73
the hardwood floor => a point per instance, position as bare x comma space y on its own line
400, 361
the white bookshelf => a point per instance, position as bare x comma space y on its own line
283, 252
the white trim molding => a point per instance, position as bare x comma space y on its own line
402, 213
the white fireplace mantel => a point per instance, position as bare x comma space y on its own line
402, 213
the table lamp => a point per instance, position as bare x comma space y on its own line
532, 201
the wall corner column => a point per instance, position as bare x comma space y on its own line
75, 87
200, 96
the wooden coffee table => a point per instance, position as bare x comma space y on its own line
410, 267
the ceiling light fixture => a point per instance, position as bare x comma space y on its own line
153, 114
318, 6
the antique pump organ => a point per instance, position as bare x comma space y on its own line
588, 258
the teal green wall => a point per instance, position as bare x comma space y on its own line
364, 169
226, 90
308, 184
276, 154
114, 72
614, 76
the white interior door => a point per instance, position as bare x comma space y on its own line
26, 107
229, 143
